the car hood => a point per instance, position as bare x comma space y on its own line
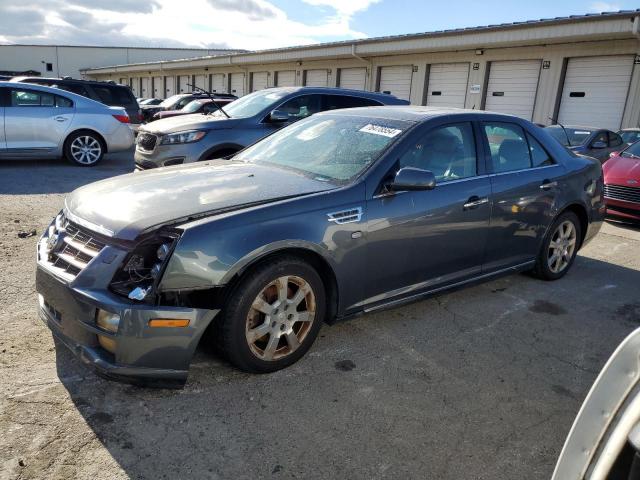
125, 206
192, 121
622, 169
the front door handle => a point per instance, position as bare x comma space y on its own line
475, 202
547, 184
60, 119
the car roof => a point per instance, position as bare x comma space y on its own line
633, 129
56, 91
578, 127
415, 113
27, 79
341, 91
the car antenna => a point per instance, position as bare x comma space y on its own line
563, 129
208, 94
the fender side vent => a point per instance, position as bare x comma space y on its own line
346, 216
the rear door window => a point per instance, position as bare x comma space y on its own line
539, 156
31, 98
75, 88
333, 102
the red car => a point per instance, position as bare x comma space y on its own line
200, 105
622, 183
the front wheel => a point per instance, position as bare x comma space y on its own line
273, 316
84, 149
559, 248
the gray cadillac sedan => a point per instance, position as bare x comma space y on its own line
192, 138
342, 213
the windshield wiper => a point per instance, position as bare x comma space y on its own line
563, 129
210, 97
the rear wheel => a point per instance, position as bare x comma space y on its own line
273, 316
84, 149
559, 248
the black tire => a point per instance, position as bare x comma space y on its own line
542, 269
234, 323
74, 144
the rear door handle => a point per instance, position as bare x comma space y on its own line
475, 202
60, 119
546, 185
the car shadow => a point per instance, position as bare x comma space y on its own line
491, 376
29, 177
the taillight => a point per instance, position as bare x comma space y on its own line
122, 118
140, 117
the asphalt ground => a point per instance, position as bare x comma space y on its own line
480, 383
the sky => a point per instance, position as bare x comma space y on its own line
261, 24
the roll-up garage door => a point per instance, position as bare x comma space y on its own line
595, 91
316, 78
396, 81
183, 83
135, 86
124, 81
145, 90
158, 87
237, 84
447, 84
259, 81
170, 83
286, 78
512, 87
217, 83
352, 78
199, 81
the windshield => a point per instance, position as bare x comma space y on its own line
192, 106
632, 151
327, 147
577, 136
630, 136
254, 103
167, 102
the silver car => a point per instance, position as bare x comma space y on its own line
45, 122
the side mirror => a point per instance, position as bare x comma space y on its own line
409, 178
598, 145
278, 116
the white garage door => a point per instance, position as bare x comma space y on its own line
135, 86
218, 83
512, 87
200, 81
595, 91
396, 81
316, 78
145, 89
183, 81
170, 83
259, 81
124, 81
237, 84
158, 87
353, 78
448, 85
286, 78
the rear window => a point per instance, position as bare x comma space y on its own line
117, 96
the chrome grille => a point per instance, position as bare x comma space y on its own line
68, 248
146, 141
620, 192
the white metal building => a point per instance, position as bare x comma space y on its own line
68, 60
580, 69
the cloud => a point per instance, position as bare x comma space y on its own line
253, 9
599, 7
245, 24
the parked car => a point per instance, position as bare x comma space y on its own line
594, 142
44, 122
150, 101
201, 105
629, 135
177, 102
192, 138
109, 93
342, 213
604, 441
622, 184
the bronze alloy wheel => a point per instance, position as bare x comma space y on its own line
562, 246
280, 318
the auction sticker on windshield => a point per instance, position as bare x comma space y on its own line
380, 130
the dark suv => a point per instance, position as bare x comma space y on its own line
109, 93
191, 138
